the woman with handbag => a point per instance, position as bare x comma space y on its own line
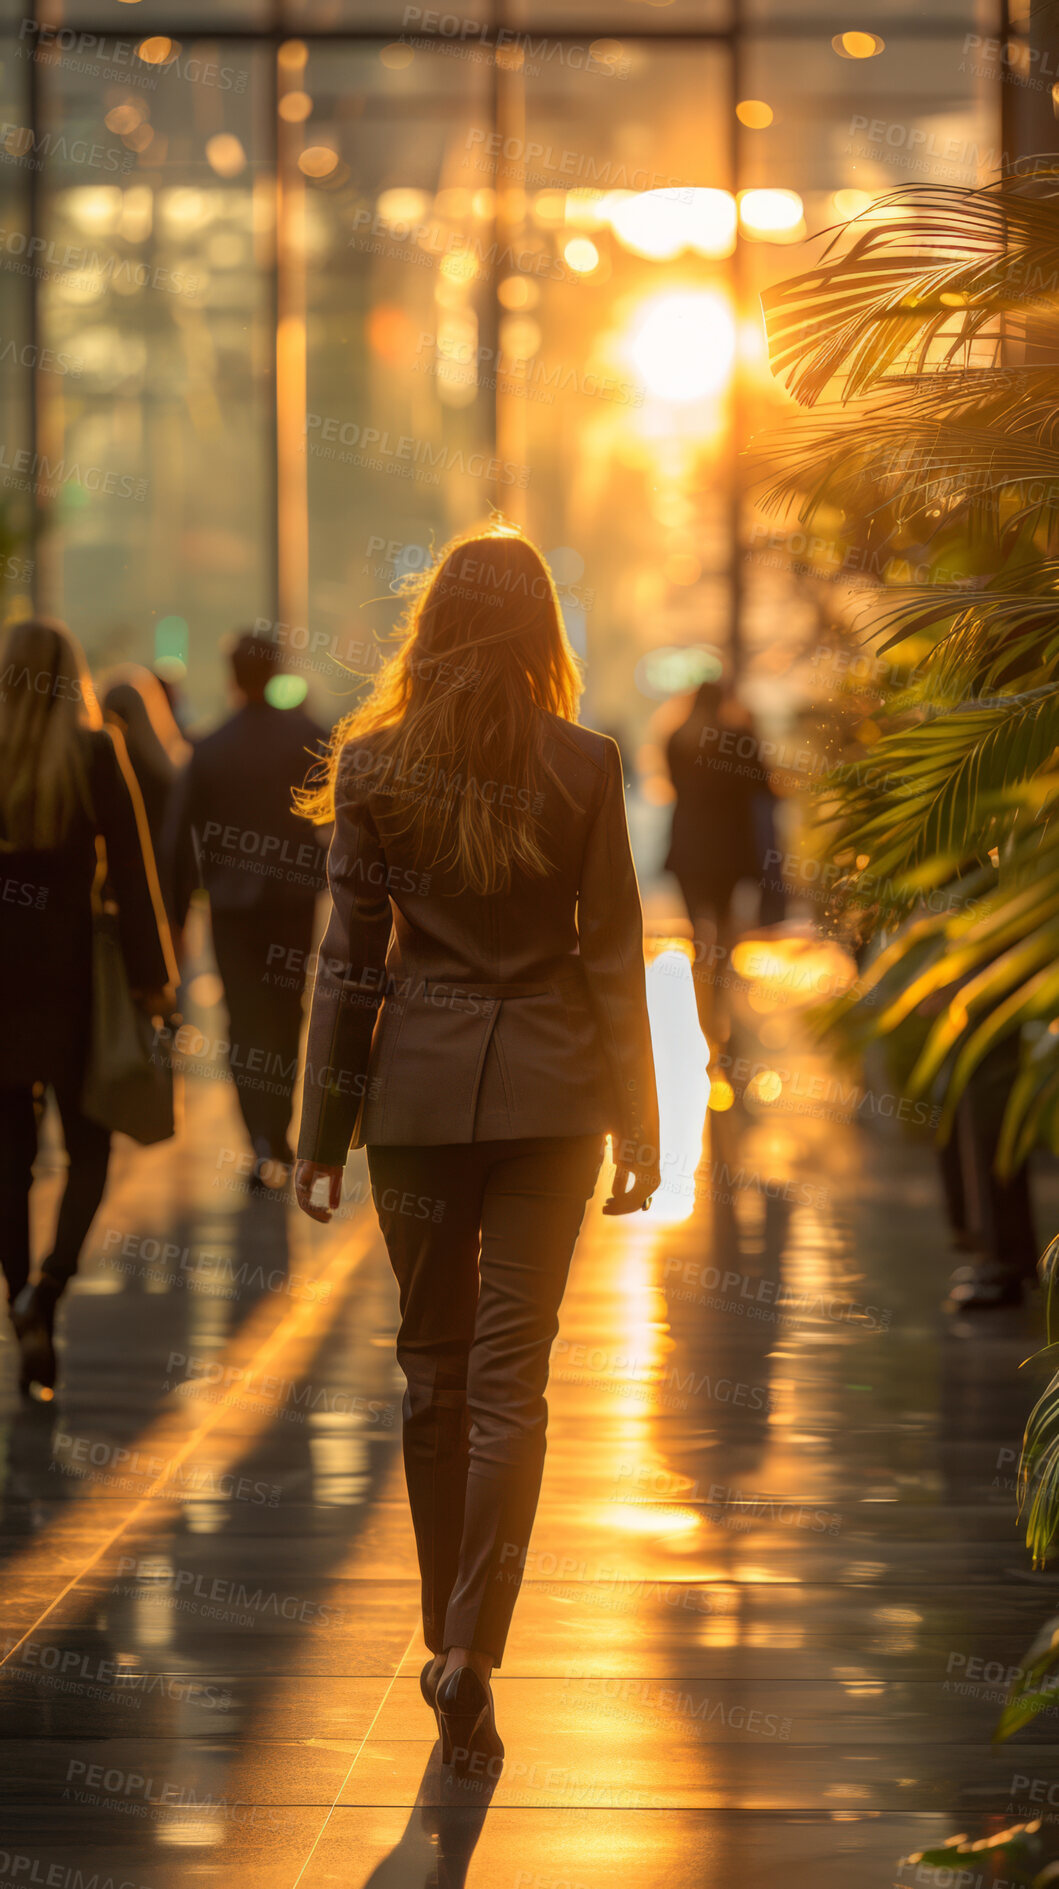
479, 1022
65, 785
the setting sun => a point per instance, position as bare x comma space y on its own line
683, 345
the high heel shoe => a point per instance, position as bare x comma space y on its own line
429, 1680
470, 1743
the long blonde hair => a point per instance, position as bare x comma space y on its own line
46, 702
457, 736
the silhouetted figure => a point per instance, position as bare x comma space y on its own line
721, 822
64, 778
134, 700
991, 1216
233, 828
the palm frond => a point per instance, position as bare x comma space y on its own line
1007, 1855
932, 271
1038, 1473
938, 431
1015, 399
941, 786
987, 637
1032, 1113
1021, 986
922, 471
1035, 1687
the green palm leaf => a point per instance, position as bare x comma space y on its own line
918, 471
931, 272
1018, 1849
940, 787
1035, 1688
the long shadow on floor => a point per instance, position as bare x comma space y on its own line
439, 1839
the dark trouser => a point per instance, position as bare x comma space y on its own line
261, 957
480, 1237
88, 1151
708, 907
995, 1215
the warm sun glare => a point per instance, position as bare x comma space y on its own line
683, 344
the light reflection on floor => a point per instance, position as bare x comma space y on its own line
771, 1514
681, 1056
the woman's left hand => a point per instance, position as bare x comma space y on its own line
306, 1175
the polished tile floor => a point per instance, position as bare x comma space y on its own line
775, 1584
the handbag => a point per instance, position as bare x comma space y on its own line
128, 1085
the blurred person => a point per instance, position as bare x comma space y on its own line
64, 778
134, 700
233, 828
479, 1023
721, 824
990, 1215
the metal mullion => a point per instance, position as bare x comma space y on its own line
34, 219
912, 27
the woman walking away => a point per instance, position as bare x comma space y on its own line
722, 822
479, 1023
135, 702
64, 779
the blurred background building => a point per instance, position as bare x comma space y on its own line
293, 288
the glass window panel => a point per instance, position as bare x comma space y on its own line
474, 23
844, 132
626, 17
455, 320
124, 22
616, 362
388, 257
917, 114
872, 16
157, 210
20, 360
385, 16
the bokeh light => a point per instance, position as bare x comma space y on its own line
286, 691
518, 291
580, 254
157, 51
125, 117
848, 203
777, 215
318, 160
402, 208
659, 224
754, 114
858, 45
225, 154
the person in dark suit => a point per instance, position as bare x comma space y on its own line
64, 780
233, 826
722, 817
479, 1022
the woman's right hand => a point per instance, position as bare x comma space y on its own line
632, 1188
306, 1175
